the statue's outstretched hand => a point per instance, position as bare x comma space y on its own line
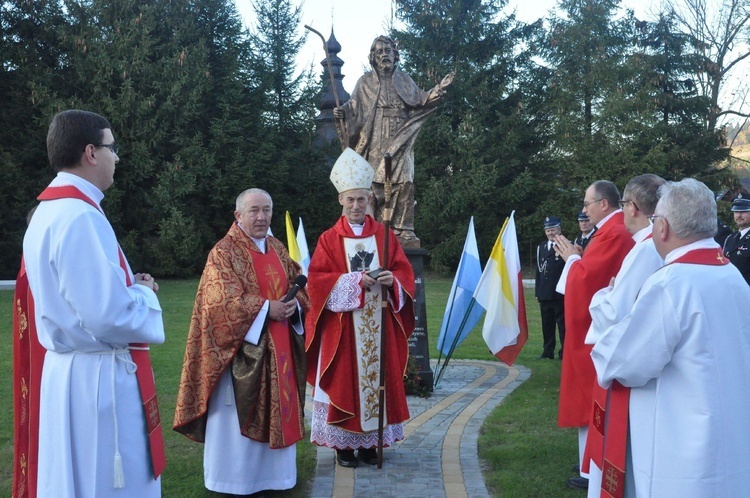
447, 80
338, 113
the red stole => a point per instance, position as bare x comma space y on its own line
608, 416
28, 359
608, 442
273, 284
139, 354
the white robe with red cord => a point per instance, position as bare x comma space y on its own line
613, 303
84, 310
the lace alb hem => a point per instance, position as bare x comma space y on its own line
331, 436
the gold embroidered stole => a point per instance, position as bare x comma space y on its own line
362, 254
268, 369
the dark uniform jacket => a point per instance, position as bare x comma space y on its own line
737, 249
583, 241
549, 267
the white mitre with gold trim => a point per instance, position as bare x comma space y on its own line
351, 171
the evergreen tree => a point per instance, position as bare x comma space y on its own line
289, 166
584, 47
666, 132
476, 155
30, 76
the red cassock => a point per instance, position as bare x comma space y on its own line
600, 263
329, 336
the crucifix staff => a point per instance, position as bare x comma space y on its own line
384, 308
339, 124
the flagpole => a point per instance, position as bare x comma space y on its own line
447, 324
463, 281
455, 339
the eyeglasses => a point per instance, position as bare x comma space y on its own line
586, 204
113, 146
652, 217
623, 202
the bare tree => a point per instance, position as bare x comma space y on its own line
721, 35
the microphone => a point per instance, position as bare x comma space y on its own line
299, 283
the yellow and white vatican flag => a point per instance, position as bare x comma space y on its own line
291, 240
304, 252
500, 293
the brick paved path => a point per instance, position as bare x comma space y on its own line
438, 458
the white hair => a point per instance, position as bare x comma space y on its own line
241, 198
689, 207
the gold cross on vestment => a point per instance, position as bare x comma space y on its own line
611, 482
152, 409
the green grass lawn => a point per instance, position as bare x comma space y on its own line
523, 451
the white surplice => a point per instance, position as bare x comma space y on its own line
613, 303
684, 351
84, 311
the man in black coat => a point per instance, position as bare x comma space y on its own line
587, 230
549, 267
737, 245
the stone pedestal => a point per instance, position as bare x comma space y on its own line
418, 345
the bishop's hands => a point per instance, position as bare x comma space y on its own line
280, 311
385, 278
565, 248
147, 280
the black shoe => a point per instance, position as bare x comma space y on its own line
368, 455
578, 483
346, 458
545, 357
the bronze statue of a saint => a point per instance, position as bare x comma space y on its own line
385, 114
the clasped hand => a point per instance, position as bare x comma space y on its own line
384, 278
565, 249
279, 311
147, 280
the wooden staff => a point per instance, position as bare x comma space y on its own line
340, 125
387, 211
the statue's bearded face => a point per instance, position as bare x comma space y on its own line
385, 57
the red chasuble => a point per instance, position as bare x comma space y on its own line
236, 282
330, 336
600, 262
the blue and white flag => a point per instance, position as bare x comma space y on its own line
461, 315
